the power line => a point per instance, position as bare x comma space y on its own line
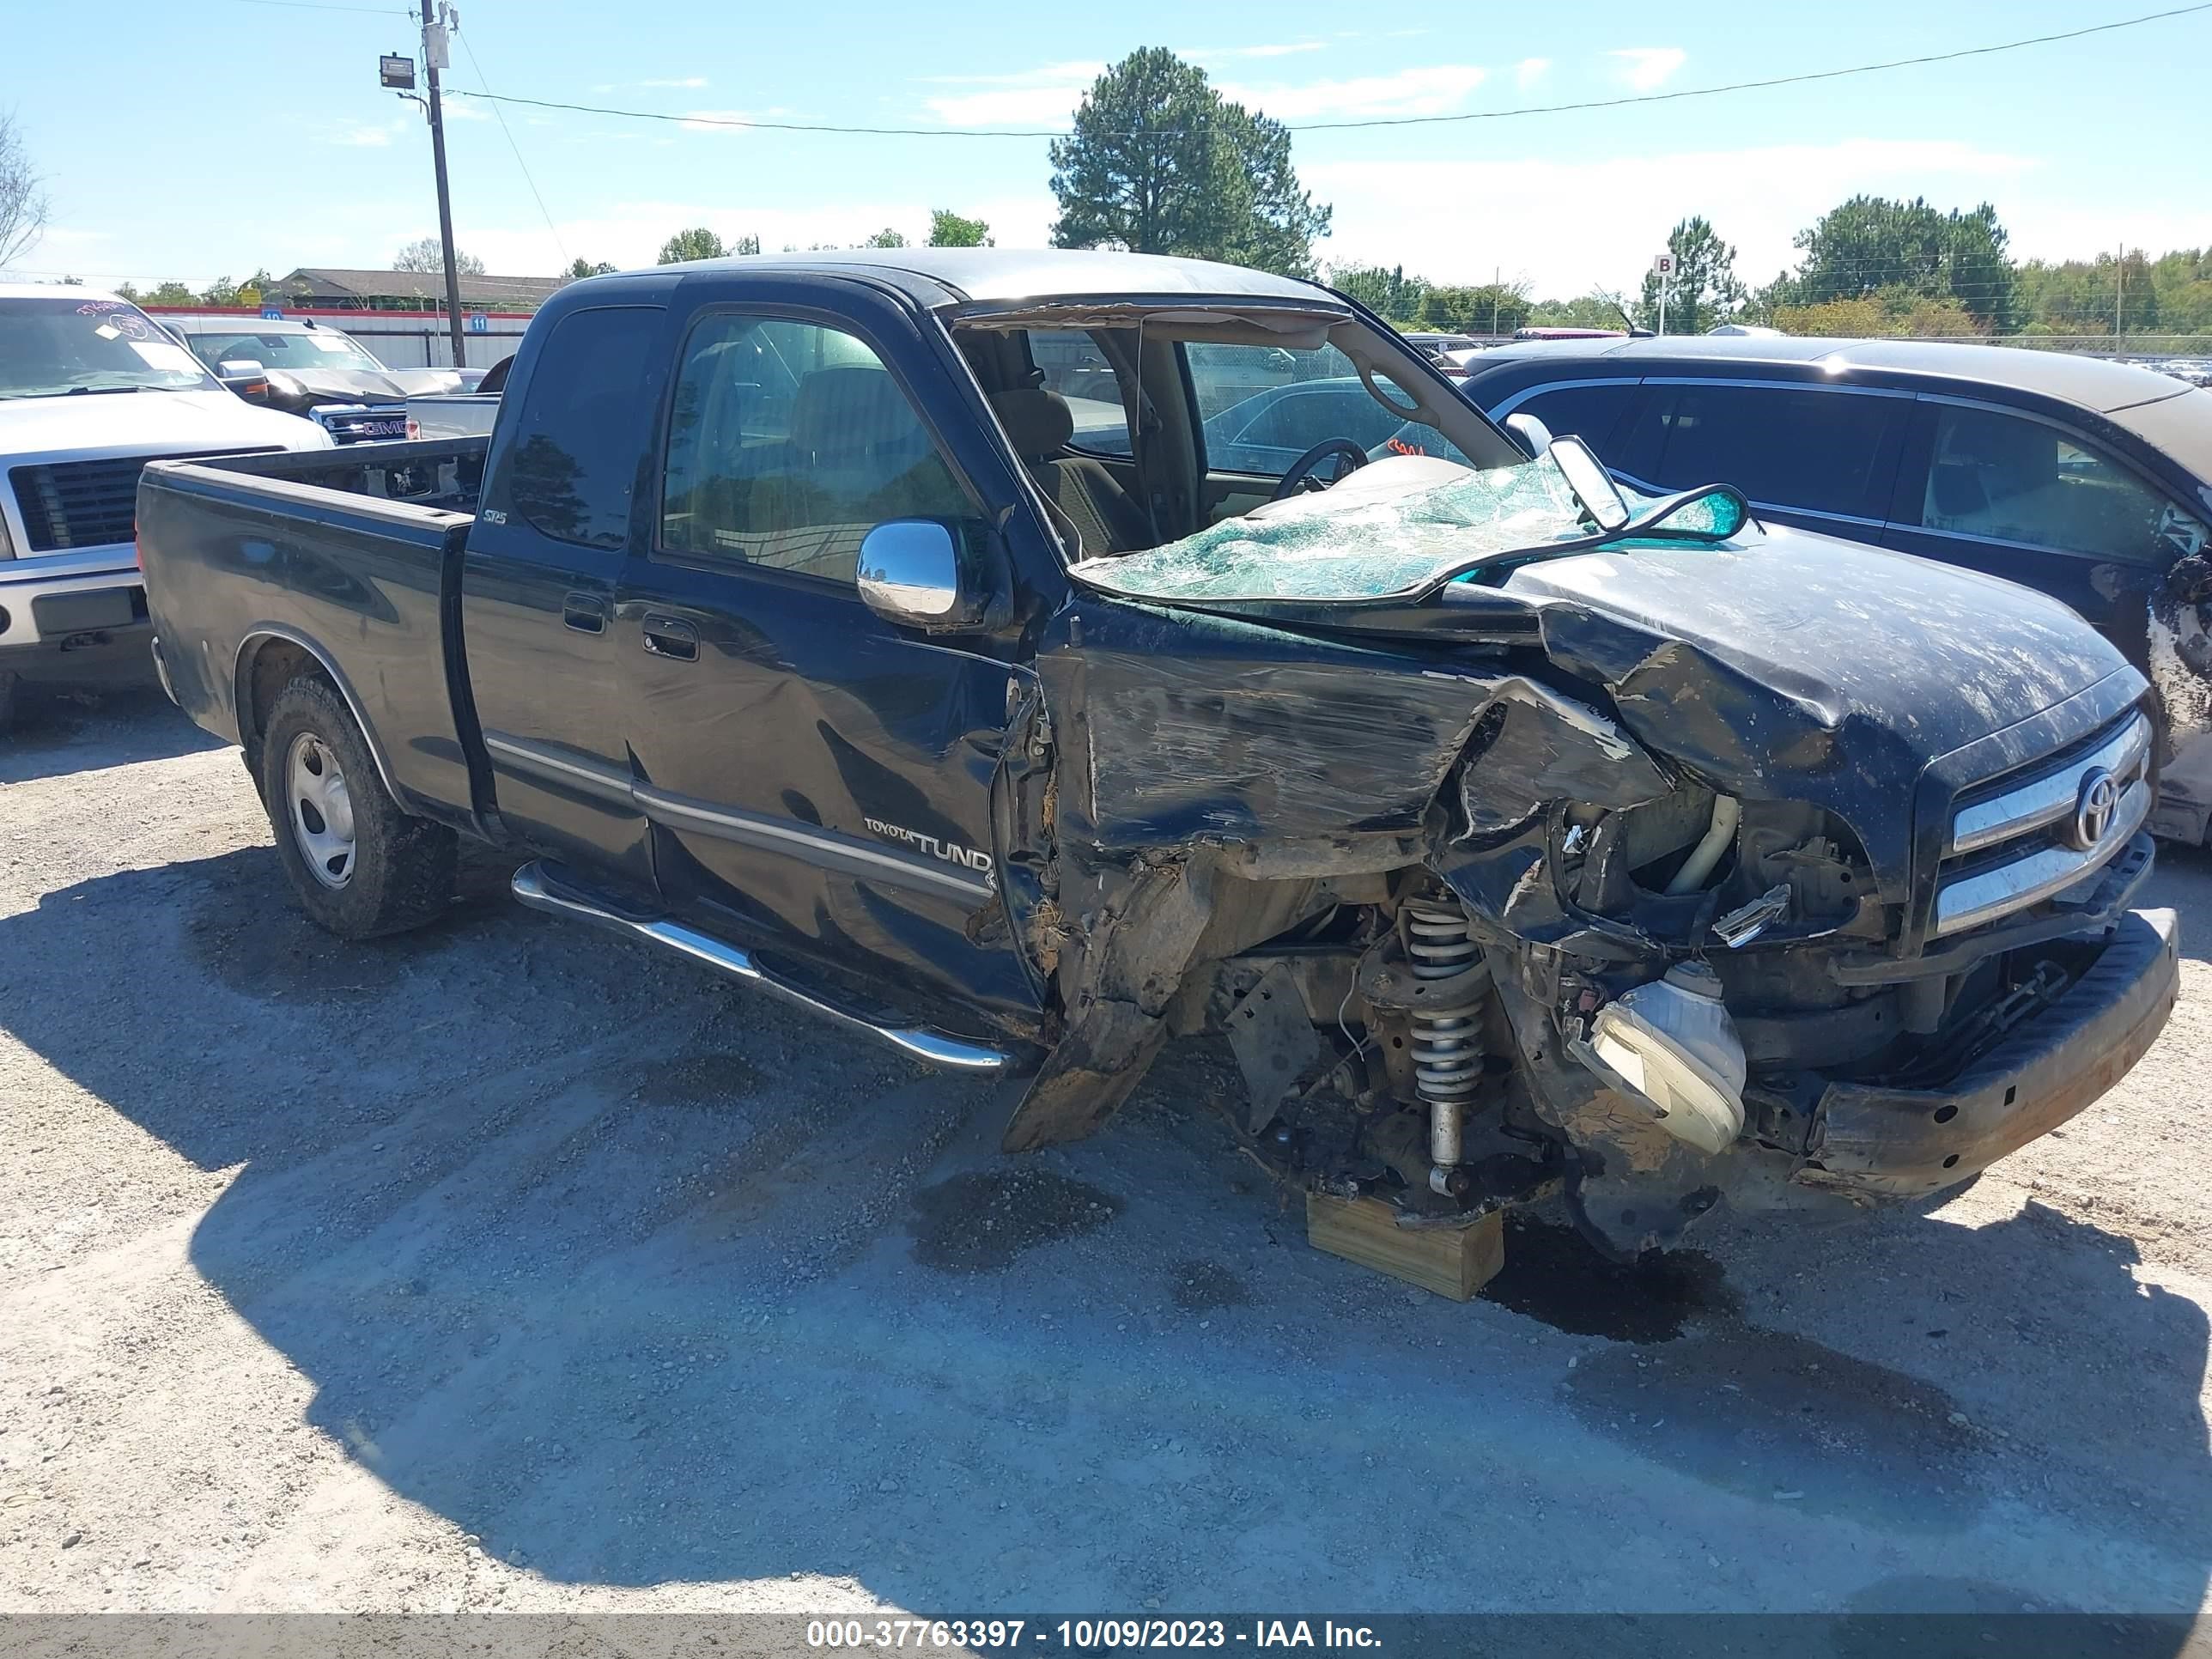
557, 243
1376, 121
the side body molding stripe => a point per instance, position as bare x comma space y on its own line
828, 848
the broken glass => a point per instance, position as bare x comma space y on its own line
1372, 541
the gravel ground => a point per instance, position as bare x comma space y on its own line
505, 1265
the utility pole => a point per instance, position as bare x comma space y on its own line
2120, 290
434, 59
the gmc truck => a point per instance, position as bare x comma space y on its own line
817, 619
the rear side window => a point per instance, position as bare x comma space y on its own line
1821, 452
2013, 479
1588, 411
574, 464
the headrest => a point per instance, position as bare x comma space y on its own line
1038, 421
850, 408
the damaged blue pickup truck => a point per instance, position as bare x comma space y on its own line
880, 630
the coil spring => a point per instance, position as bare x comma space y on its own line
1446, 1039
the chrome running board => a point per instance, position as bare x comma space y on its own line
540, 891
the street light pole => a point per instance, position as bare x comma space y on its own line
431, 61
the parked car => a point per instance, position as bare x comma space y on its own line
306, 367
1433, 346
90, 389
2087, 480
1586, 840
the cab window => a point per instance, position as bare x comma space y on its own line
788, 443
566, 478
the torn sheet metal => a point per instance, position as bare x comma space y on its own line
1796, 666
1175, 727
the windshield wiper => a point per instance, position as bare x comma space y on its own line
98, 390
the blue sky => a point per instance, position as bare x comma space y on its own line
209, 139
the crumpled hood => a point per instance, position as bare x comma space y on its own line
355, 385
1788, 653
144, 422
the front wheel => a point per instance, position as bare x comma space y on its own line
358, 864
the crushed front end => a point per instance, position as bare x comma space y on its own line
1650, 878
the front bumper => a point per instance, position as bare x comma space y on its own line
1872, 1142
73, 628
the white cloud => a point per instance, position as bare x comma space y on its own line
460, 109
1047, 96
1529, 70
1043, 97
1432, 89
1207, 54
1757, 198
630, 235
691, 81
1647, 67
364, 137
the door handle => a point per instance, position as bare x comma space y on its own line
668, 637
585, 612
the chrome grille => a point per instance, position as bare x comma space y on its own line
70, 504
2028, 840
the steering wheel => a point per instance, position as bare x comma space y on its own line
1302, 475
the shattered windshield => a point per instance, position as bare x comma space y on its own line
1394, 528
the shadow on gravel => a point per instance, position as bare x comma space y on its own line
55, 733
641, 1283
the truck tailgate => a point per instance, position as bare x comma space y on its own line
244, 557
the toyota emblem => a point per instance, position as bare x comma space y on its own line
2093, 808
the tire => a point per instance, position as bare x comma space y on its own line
319, 782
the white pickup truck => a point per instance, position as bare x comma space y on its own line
91, 389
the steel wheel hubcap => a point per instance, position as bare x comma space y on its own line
321, 809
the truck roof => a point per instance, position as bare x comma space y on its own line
952, 276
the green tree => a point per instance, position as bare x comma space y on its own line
1475, 308
428, 253
949, 229
1871, 243
221, 292
580, 268
171, 293
1159, 162
696, 243
1386, 290
885, 237
1704, 290
1597, 309
745, 244
129, 291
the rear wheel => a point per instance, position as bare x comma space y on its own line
359, 866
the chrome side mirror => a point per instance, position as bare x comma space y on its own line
909, 573
1535, 437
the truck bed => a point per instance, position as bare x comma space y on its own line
352, 555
